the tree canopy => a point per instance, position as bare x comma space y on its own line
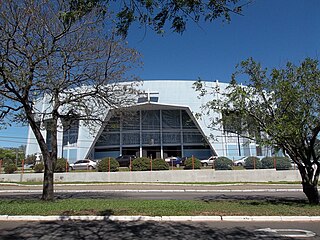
157, 14
54, 71
278, 108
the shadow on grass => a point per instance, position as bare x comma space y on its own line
128, 230
258, 200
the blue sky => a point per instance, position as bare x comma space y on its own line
272, 32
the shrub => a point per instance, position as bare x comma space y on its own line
61, 165
252, 163
141, 164
189, 165
223, 163
103, 165
38, 168
267, 162
159, 164
283, 163
10, 168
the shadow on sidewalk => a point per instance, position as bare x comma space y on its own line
128, 230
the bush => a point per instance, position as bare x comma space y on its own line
10, 168
61, 165
103, 165
159, 164
223, 163
282, 163
38, 168
188, 164
252, 163
141, 164
267, 162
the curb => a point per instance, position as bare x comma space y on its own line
165, 218
163, 191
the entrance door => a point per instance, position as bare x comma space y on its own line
153, 152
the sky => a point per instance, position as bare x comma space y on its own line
273, 32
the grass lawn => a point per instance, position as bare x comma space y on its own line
156, 207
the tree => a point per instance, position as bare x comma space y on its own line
65, 63
157, 13
11, 155
283, 106
55, 52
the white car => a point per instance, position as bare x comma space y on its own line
209, 161
85, 164
240, 162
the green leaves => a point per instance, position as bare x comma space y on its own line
175, 13
278, 108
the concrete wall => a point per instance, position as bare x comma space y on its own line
208, 175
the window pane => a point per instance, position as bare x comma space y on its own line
107, 139
150, 120
171, 137
193, 137
131, 138
187, 122
131, 121
151, 138
171, 119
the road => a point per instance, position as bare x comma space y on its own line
157, 230
287, 192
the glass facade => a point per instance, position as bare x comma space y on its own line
70, 133
155, 132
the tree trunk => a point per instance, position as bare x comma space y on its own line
311, 191
48, 190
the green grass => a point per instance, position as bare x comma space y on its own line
156, 207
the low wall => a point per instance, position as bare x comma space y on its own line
205, 175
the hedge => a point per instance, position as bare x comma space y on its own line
103, 165
159, 164
61, 165
189, 164
223, 163
38, 168
141, 164
10, 168
282, 163
252, 163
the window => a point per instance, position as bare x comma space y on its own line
70, 132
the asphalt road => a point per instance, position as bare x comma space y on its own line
288, 192
158, 230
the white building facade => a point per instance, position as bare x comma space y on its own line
160, 124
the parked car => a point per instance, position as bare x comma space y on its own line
174, 161
85, 164
240, 162
124, 160
29, 166
209, 161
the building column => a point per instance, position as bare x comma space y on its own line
140, 127
181, 135
161, 137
